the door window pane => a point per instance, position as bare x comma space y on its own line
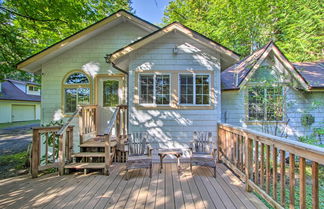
110, 93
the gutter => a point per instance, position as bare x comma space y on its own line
108, 61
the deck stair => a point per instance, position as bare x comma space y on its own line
91, 155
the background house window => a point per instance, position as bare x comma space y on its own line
110, 93
265, 104
194, 89
154, 89
76, 91
33, 88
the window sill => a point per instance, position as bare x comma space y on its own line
174, 107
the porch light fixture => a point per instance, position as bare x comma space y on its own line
175, 50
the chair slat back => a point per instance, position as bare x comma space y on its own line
203, 142
137, 143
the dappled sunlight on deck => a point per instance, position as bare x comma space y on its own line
169, 189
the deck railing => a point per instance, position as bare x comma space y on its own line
49, 154
117, 123
261, 160
58, 141
88, 120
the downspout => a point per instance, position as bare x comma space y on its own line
108, 61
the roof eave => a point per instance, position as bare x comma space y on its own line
115, 56
23, 65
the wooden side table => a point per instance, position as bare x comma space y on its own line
164, 152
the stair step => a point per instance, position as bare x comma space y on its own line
89, 154
97, 143
85, 165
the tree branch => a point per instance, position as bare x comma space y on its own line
29, 17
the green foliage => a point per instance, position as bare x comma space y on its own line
307, 120
11, 165
308, 139
26, 27
243, 25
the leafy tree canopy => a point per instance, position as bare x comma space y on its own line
28, 26
244, 25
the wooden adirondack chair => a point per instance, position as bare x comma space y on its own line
139, 152
203, 150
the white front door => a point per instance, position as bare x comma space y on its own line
109, 95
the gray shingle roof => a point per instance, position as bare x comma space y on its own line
241, 68
10, 92
312, 72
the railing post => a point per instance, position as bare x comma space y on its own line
107, 154
118, 123
61, 158
274, 171
96, 119
219, 142
35, 153
248, 161
302, 183
81, 125
315, 185
292, 180
70, 143
124, 120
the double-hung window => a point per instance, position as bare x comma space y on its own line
76, 91
194, 89
154, 89
265, 103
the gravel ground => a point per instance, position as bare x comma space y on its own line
15, 139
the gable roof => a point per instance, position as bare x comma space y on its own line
237, 75
115, 56
9, 91
231, 81
312, 72
30, 64
23, 82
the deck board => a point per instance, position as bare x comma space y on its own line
169, 189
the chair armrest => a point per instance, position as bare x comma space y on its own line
149, 150
214, 152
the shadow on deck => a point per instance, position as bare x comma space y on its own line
168, 189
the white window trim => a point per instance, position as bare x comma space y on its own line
154, 89
194, 89
265, 111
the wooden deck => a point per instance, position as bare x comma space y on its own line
166, 190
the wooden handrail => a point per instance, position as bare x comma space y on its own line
67, 123
311, 152
259, 159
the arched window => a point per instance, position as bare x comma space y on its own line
76, 91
